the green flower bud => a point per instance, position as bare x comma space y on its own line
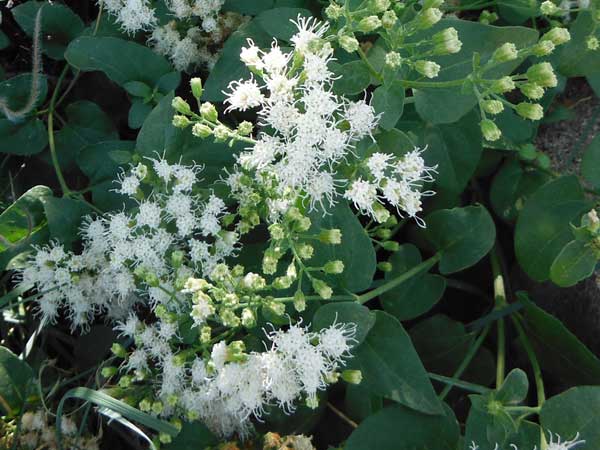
334, 11
487, 17
391, 246
389, 19
177, 258
528, 152
302, 225
542, 74
378, 6
236, 352
380, 213
592, 43
118, 350
145, 405
532, 91
383, 233
282, 282
109, 371
197, 89
125, 381
245, 128
252, 282
428, 18
200, 130
393, 60
321, 288
352, 376
446, 42
369, 24
312, 402
180, 121
557, 35
208, 112
349, 43
205, 334
543, 48
248, 318
152, 279
531, 111
334, 267
548, 8
427, 68
181, 106
385, 266
492, 106
293, 214
164, 438
222, 133
305, 251
299, 301
490, 130
503, 85
228, 318
591, 221
506, 52
220, 273
332, 237
276, 308
277, 231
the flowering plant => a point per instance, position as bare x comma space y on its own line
301, 231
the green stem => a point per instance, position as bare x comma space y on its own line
472, 387
466, 361
391, 284
372, 69
51, 143
432, 84
500, 300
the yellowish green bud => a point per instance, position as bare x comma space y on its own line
200, 130
334, 267
334, 11
548, 8
490, 130
531, 111
557, 35
205, 334
492, 106
145, 405
299, 301
428, 18
208, 112
391, 246
322, 288
532, 91
487, 17
248, 318
506, 52
197, 89
385, 266
352, 376
429, 69
333, 236
164, 438
393, 60
108, 372
349, 43
592, 43
245, 128
221, 133
253, 282
181, 106
305, 251
118, 350
180, 121
389, 19
543, 48
542, 74
503, 85
446, 42
380, 5
369, 24
380, 213
277, 231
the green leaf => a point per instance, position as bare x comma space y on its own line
575, 59
24, 216
415, 296
102, 160
138, 113
60, 25
391, 367
27, 138
560, 352
345, 312
399, 428
353, 77
114, 57
15, 378
463, 235
246, 7
514, 388
543, 227
138, 89
388, 100
512, 186
355, 251
86, 124
574, 263
277, 22
360, 403
443, 343
456, 150
4, 40
193, 436
590, 164
447, 105
64, 218
168, 82
574, 411
515, 12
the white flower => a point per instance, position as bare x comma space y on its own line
363, 194
563, 445
361, 117
244, 95
309, 29
149, 215
250, 55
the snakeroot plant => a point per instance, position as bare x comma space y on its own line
299, 225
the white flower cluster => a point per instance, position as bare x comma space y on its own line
314, 130
226, 390
557, 444
205, 28
37, 432
170, 228
399, 181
